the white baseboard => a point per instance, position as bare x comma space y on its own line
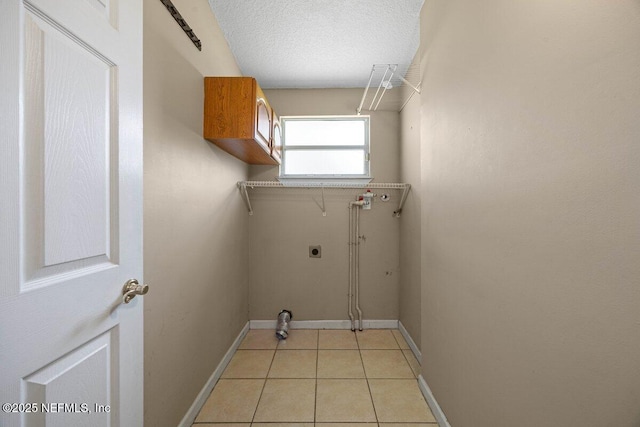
197, 404
325, 324
433, 404
380, 324
302, 324
412, 345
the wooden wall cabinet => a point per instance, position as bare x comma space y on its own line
239, 119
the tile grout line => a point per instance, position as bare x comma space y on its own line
414, 374
315, 400
373, 405
405, 356
255, 411
409, 362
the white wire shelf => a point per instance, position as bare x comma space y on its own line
244, 186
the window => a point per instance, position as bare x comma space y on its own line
325, 147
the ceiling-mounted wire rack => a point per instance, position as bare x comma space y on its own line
388, 79
243, 186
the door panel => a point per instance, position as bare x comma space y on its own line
81, 376
71, 233
69, 100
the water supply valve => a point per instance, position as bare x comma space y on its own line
368, 200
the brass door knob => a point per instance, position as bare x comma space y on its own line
131, 289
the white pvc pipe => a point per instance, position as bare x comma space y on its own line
353, 327
357, 268
353, 260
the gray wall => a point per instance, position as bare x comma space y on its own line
530, 151
195, 234
286, 222
410, 246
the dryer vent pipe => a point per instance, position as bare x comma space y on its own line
282, 328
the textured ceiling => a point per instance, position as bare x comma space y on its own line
318, 43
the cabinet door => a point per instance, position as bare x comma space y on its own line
263, 123
276, 139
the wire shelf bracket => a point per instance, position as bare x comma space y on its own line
384, 77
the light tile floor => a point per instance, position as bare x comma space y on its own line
325, 378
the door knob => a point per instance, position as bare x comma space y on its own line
131, 289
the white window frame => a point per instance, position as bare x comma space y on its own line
349, 178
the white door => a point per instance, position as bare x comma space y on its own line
70, 212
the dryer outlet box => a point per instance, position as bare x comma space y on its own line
315, 251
